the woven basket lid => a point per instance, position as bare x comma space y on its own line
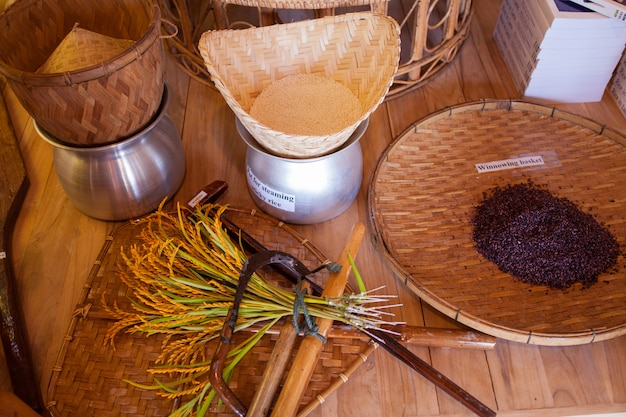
82, 48
427, 184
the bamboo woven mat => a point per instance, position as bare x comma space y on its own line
427, 184
88, 379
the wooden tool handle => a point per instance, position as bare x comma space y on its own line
423, 336
425, 369
216, 373
208, 194
311, 347
264, 395
276, 366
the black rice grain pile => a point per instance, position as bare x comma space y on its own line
541, 239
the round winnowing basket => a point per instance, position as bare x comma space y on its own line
358, 50
99, 103
430, 179
90, 377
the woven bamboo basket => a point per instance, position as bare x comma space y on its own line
359, 50
432, 32
425, 188
100, 103
88, 377
437, 30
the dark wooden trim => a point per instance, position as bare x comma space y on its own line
14, 185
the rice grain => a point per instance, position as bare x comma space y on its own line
307, 104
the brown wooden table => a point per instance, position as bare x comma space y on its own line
55, 246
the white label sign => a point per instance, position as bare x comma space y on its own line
275, 198
197, 198
512, 163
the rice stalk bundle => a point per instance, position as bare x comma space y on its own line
182, 277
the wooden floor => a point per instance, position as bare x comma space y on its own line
55, 246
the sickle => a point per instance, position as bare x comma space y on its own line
254, 262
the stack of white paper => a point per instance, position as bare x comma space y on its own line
618, 85
558, 51
611, 8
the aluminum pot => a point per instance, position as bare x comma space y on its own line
124, 179
304, 191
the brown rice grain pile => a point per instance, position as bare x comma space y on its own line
542, 239
306, 104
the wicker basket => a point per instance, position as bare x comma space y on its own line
432, 31
359, 50
437, 30
98, 104
426, 186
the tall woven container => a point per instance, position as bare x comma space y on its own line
97, 104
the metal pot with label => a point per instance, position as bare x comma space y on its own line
304, 191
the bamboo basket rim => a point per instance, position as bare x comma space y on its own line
88, 315
292, 145
413, 72
304, 4
581, 320
89, 73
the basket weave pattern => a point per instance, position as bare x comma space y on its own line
100, 103
426, 186
88, 378
83, 48
433, 31
359, 50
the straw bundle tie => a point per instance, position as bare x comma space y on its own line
252, 264
309, 326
